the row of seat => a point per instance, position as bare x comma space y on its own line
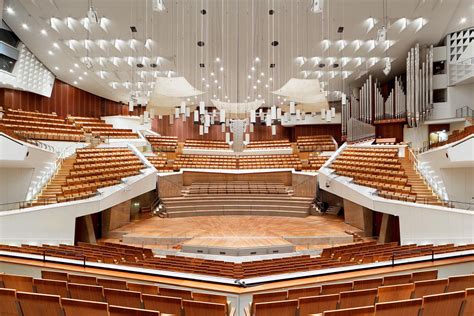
455, 136
315, 162
206, 144
316, 143
98, 127
269, 144
163, 143
236, 187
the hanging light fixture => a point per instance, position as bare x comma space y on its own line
92, 14
317, 6
158, 5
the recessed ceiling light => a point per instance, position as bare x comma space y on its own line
221, 69
43, 31
212, 74
80, 78
85, 73
76, 65
10, 11
75, 82
71, 71
218, 59
257, 59
249, 76
55, 45
56, 68
203, 79
253, 68
25, 26
463, 20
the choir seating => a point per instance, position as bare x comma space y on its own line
206, 144
455, 136
204, 162
347, 255
98, 127
315, 162
378, 168
270, 162
159, 161
373, 301
41, 126
316, 143
163, 143
269, 144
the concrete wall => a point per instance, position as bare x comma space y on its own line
358, 216
14, 184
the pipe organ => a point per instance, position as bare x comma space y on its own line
419, 85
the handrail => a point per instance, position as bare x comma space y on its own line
465, 111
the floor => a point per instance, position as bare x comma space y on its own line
312, 232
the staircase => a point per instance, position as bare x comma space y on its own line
54, 187
424, 194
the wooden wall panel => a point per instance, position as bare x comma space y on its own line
65, 99
323, 129
390, 130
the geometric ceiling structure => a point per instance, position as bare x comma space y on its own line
234, 51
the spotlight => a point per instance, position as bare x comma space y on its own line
317, 6
158, 5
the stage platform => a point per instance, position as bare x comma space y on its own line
236, 235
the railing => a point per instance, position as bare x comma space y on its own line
25, 139
465, 111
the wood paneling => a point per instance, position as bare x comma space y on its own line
390, 130
65, 99
323, 129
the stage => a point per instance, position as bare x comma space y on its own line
235, 235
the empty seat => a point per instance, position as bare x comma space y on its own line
460, 283
143, 288
317, 304
424, 275
357, 298
8, 305
367, 284
268, 297
395, 292
74, 307
164, 304
184, 294
469, 306
17, 282
357, 311
335, 288
53, 287
404, 308
112, 284
123, 298
280, 308
429, 287
128, 311
33, 304
86, 292
210, 298
193, 308
82, 279
303, 292
443, 304
397, 279
54, 275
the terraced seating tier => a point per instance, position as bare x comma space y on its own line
206, 144
315, 162
455, 136
316, 143
269, 144
163, 143
98, 127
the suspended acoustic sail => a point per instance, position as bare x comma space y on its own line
237, 110
306, 92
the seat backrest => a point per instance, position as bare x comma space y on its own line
54, 275
460, 283
424, 275
86, 292
395, 292
280, 308
358, 298
469, 305
128, 311
74, 307
82, 279
397, 279
52, 287
34, 304
143, 288
429, 287
184, 294
356, 311
317, 304
367, 284
164, 304
123, 298
405, 308
335, 288
268, 297
8, 305
17, 282
443, 304
303, 292
112, 284
210, 298
194, 308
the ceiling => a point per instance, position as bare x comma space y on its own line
237, 36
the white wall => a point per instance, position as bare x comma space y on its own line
130, 122
14, 184
416, 135
459, 96
459, 183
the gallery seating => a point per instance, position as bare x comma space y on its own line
159, 161
163, 143
269, 144
98, 127
455, 136
316, 143
206, 144
315, 162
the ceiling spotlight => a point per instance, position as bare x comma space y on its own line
253, 68
44, 32
56, 68
158, 5
317, 6
50, 52
221, 69
462, 21
75, 82
92, 14
10, 10
25, 26
218, 59
257, 59
249, 76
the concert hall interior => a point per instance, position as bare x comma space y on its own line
237, 157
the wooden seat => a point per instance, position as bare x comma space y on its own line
460, 283
143, 288
74, 307
127, 311
317, 304
267, 297
194, 308
123, 298
17, 282
357, 298
397, 279
357, 311
424, 275
395, 292
184, 294
82, 279
52, 287
8, 305
469, 305
443, 304
54, 275
280, 308
405, 308
33, 304
210, 298
303, 292
164, 304
335, 288
367, 284
112, 284
429, 287
86, 292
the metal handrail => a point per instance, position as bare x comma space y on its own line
465, 111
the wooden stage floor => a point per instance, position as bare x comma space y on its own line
312, 232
